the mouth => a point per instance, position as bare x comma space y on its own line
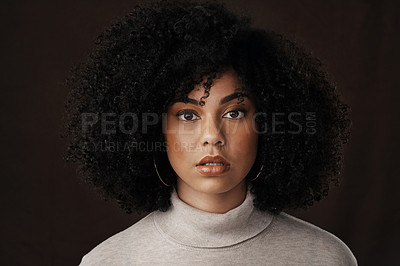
213, 166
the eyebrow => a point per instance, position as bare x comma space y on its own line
226, 99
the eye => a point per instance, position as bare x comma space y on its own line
187, 115
236, 114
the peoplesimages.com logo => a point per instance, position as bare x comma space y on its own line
130, 123
109, 124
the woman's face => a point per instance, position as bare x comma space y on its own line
221, 127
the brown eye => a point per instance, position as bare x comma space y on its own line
235, 114
187, 116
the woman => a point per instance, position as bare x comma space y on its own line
214, 127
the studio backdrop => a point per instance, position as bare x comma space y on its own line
50, 217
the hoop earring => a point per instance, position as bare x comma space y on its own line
158, 174
262, 166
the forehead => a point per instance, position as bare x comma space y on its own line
227, 83
225, 88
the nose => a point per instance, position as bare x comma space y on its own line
212, 133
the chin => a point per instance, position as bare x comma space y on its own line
215, 185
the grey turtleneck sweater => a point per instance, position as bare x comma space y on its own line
243, 236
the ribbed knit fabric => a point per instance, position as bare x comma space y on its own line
243, 236
192, 227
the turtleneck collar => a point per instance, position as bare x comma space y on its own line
189, 226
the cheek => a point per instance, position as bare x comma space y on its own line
243, 143
179, 146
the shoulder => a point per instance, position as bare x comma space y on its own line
311, 240
113, 251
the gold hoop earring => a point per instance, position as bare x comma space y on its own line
158, 174
262, 166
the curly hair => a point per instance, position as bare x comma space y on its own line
159, 52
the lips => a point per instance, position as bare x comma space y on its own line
212, 165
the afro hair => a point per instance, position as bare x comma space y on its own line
159, 52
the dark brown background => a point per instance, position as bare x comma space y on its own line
49, 218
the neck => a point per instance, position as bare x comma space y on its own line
196, 228
221, 202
